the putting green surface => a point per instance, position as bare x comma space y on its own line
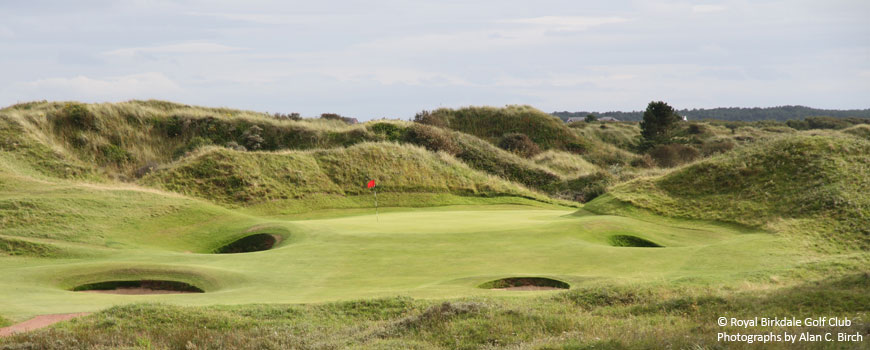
442, 252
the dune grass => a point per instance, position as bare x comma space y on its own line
456, 212
233, 177
491, 124
810, 186
599, 317
566, 164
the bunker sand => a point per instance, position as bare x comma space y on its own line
39, 322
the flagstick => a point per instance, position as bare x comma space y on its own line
377, 216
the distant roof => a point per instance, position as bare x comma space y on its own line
608, 119
574, 119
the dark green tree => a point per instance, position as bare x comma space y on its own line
590, 118
659, 121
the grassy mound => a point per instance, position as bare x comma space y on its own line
128, 140
811, 185
11, 246
491, 124
566, 164
235, 177
622, 135
601, 317
861, 130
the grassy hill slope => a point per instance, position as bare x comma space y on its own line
491, 123
802, 184
235, 177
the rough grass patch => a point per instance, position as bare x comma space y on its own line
17, 247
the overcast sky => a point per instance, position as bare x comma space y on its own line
372, 59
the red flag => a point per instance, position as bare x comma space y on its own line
371, 183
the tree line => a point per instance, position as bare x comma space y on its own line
780, 113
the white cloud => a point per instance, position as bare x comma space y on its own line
393, 76
183, 48
144, 85
708, 8
566, 80
271, 18
569, 22
6, 33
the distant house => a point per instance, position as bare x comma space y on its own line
574, 119
608, 119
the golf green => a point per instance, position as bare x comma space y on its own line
442, 252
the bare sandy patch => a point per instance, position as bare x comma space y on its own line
38, 322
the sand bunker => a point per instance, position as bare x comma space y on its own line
525, 284
143, 287
631, 241
38, 322
252, 243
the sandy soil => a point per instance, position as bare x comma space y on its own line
38, 322
134, 291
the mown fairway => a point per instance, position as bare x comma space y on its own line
441, 252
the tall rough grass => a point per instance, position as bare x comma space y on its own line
491, 124
229, 176
777, 184
590, 317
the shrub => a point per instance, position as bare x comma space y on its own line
78, 115
291, 116
428, 118
146, 169
391, 132
253, 138
696, 129
712, 147
672, 155
584, 188
645, 161
431, 138
334, 116
798, 124
520, 144
827, 123
235, 146
194, 143
115, 154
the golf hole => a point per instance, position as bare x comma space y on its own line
631, 241
248, 244
139, 287
525, 284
